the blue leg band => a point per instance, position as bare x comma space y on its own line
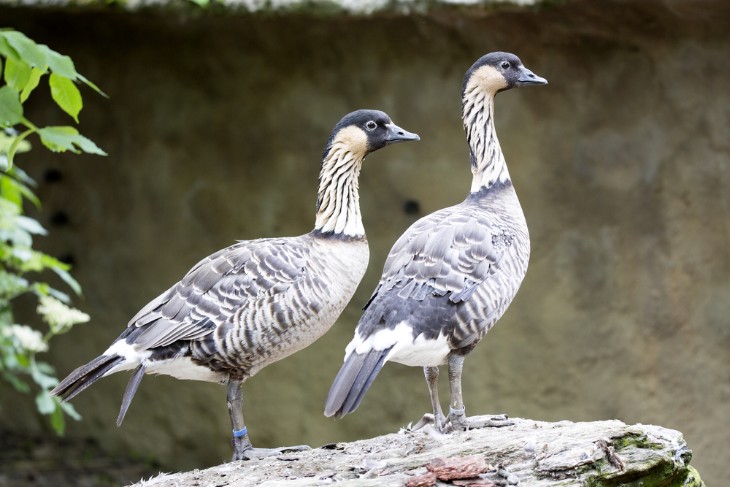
240, 433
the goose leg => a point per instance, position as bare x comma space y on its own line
241, 443
437, 419
457, 413
242, 448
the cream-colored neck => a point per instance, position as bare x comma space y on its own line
487, 161
338, 199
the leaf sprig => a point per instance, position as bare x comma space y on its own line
23, 65
26, 62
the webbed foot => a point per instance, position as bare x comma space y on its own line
437, 421
456, 421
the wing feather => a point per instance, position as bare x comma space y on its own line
250, 274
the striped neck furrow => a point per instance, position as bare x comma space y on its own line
338, 200
487, 161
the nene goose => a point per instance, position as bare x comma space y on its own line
257, 301
453, 273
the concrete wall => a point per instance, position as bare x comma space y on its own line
214, 129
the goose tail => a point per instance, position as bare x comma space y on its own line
130, 391
84, 376
353, 381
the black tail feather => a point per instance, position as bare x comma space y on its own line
353, 381
129, 393
81, 378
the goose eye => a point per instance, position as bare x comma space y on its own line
505, 65
371, 125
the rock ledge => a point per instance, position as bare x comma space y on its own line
525, 453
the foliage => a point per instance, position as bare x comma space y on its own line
23, 64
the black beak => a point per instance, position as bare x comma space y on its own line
527, 77
397, 134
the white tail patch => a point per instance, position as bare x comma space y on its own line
178, 367
132, 357
418, 352
184, 368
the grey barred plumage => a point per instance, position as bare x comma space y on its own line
257, 301
453, 273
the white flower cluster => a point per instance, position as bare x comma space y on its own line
28, 338
60, 318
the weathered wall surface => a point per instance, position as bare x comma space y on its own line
214, 130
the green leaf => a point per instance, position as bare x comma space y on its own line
17, 74
11, 111
27, 50
58, 422
12, 285
17, 384
58, 63
43, 289
66, 95
5, 49
91, 85
45, 368
8, 210
21, 175
30, 196
69, 409
15, 187
6, 141
23, 360
16, 236
61, 269
59, 138
33, 80
30, 225
11, 357
22, 254
43, 380
45, 403
16, 145
88, 146
27, 259
51, 262
10, 232
68, 279
63, 138
10, 190
61, 296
